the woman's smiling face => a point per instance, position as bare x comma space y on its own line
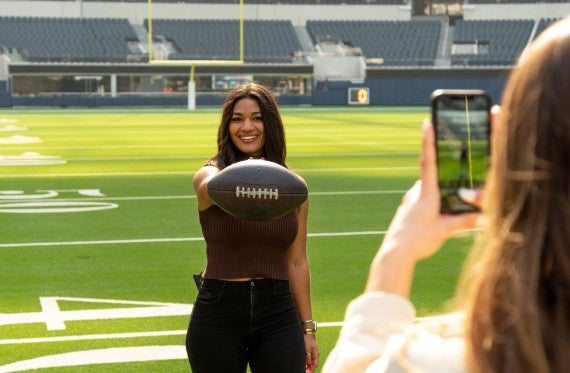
247, 129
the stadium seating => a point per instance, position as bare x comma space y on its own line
397, 42
264, 41
106, 40
543, 24
502, 41
67, 39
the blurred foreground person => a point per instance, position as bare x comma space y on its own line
514, 296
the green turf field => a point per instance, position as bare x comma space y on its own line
100, 237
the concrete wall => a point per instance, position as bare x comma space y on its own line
137, 12
516, 11
298, 14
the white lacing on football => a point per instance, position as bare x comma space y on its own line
259, 193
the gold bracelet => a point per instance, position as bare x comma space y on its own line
309, 327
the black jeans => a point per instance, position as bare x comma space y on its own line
236, 323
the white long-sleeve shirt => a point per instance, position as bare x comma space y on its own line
381, 334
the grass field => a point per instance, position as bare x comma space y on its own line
100, 236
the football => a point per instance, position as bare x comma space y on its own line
257, 190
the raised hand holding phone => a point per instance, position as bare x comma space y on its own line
461, 119
418, 229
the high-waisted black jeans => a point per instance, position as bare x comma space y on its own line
234, 324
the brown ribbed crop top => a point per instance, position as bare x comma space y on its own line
239, 248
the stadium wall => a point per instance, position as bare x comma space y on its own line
298, 14
137, 12
411, 87
386, 88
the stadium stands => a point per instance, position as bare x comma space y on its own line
397, 42
67, 39
264, 41
495, 42
543, 24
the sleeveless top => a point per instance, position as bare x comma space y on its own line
238, 248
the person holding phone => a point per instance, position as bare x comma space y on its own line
514, 298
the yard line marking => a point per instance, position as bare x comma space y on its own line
338, 234
349, 169
102, 242
100, 356
213, 146
355, 154
357, 192
185, 239
131, 335
155, 146
193, 196
133, 158
157, 240
107, 198
55, 319
98, 174
190, 173
187, 157
71, 338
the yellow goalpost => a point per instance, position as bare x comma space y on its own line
193, 63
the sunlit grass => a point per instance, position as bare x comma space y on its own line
357, 161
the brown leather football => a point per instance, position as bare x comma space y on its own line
257, 190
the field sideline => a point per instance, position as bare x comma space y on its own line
100, 234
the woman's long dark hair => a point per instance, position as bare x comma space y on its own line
274, 149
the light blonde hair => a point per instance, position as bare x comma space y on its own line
518, 308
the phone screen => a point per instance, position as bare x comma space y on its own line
462, 127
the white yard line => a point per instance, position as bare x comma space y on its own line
189, 173
159, 240
132, 335
193, 196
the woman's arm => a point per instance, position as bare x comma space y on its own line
300, 282
200, 182
417, 231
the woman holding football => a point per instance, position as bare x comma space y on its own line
253, 305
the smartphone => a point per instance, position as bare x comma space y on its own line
461, 119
